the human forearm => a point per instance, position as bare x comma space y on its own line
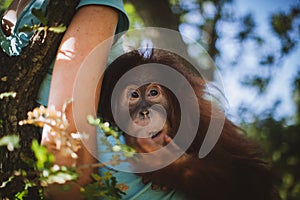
90, 26
84, 34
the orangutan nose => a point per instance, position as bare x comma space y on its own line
144, 114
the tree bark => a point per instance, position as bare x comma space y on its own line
23, 74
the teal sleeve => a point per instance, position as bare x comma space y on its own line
123, 23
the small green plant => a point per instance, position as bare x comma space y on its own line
44, 172
104, 186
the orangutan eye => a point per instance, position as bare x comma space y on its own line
153, 92
134, 94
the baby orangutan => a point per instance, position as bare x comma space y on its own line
150, 106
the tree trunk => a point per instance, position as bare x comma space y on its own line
23, 74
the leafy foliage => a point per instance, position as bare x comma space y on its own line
104, 186
136, 21
247, 28
108, 131
260, 83
3, 5
280, 139
44, 172
281, 142
286, 27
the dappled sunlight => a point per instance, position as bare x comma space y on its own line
67, 50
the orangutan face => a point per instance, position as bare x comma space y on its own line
148, 108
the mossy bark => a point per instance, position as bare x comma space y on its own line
23, 74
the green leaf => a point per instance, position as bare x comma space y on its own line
58, 29
21, 195
44, 158
105, 186
96, 177
128, 151
10, 141
93, 121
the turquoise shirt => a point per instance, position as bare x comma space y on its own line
137, 190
